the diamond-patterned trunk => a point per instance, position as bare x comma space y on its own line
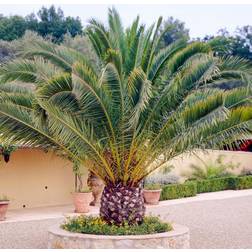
121, 204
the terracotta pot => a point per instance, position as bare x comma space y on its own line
3, 209
82, 201
152, 196
96, 185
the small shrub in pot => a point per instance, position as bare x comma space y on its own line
82, 199
152, 193
82, 196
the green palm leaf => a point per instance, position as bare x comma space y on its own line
136, 110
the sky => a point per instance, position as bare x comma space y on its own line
200, 19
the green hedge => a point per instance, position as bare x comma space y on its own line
177, 191
239, 183
213, 185
190, 188
227, 183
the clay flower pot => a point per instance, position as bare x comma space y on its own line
152, 196
81, 201
96, 185
3, 209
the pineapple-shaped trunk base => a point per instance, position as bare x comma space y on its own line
121, 204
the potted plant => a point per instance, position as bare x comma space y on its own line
152, 193
82, 196
4, 203
82, 199
6, 151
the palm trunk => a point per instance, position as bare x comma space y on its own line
120, 204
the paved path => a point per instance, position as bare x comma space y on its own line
216, 220
219, 223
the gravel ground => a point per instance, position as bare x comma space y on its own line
223, 224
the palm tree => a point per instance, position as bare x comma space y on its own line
131, 113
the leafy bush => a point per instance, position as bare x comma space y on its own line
178, 191
81, 44
95, 225
213, 185
152, 186
9, 50
24, 43
6, 51
162, 179
210, 169
241, 182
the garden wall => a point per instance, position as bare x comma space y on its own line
182, 163
33, 178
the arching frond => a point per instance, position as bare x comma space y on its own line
135, 111
28, 71
140, 91
161, 58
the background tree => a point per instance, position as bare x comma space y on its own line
53, 23
239, 44
48, 22
73, 26
32, 22
12, 27
242, 44
173, 30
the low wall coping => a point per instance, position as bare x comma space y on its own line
177, 231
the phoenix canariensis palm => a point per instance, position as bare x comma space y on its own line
131, 113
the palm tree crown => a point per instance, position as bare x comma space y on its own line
135, 110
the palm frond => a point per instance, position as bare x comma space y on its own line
160, 59
28, 71
140, 91
136, 110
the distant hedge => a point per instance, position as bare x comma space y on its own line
239, 183
191, 188
227, 183
177, 191
213, 185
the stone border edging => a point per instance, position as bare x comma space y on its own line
177, 238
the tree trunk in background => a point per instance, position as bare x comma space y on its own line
121, 204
